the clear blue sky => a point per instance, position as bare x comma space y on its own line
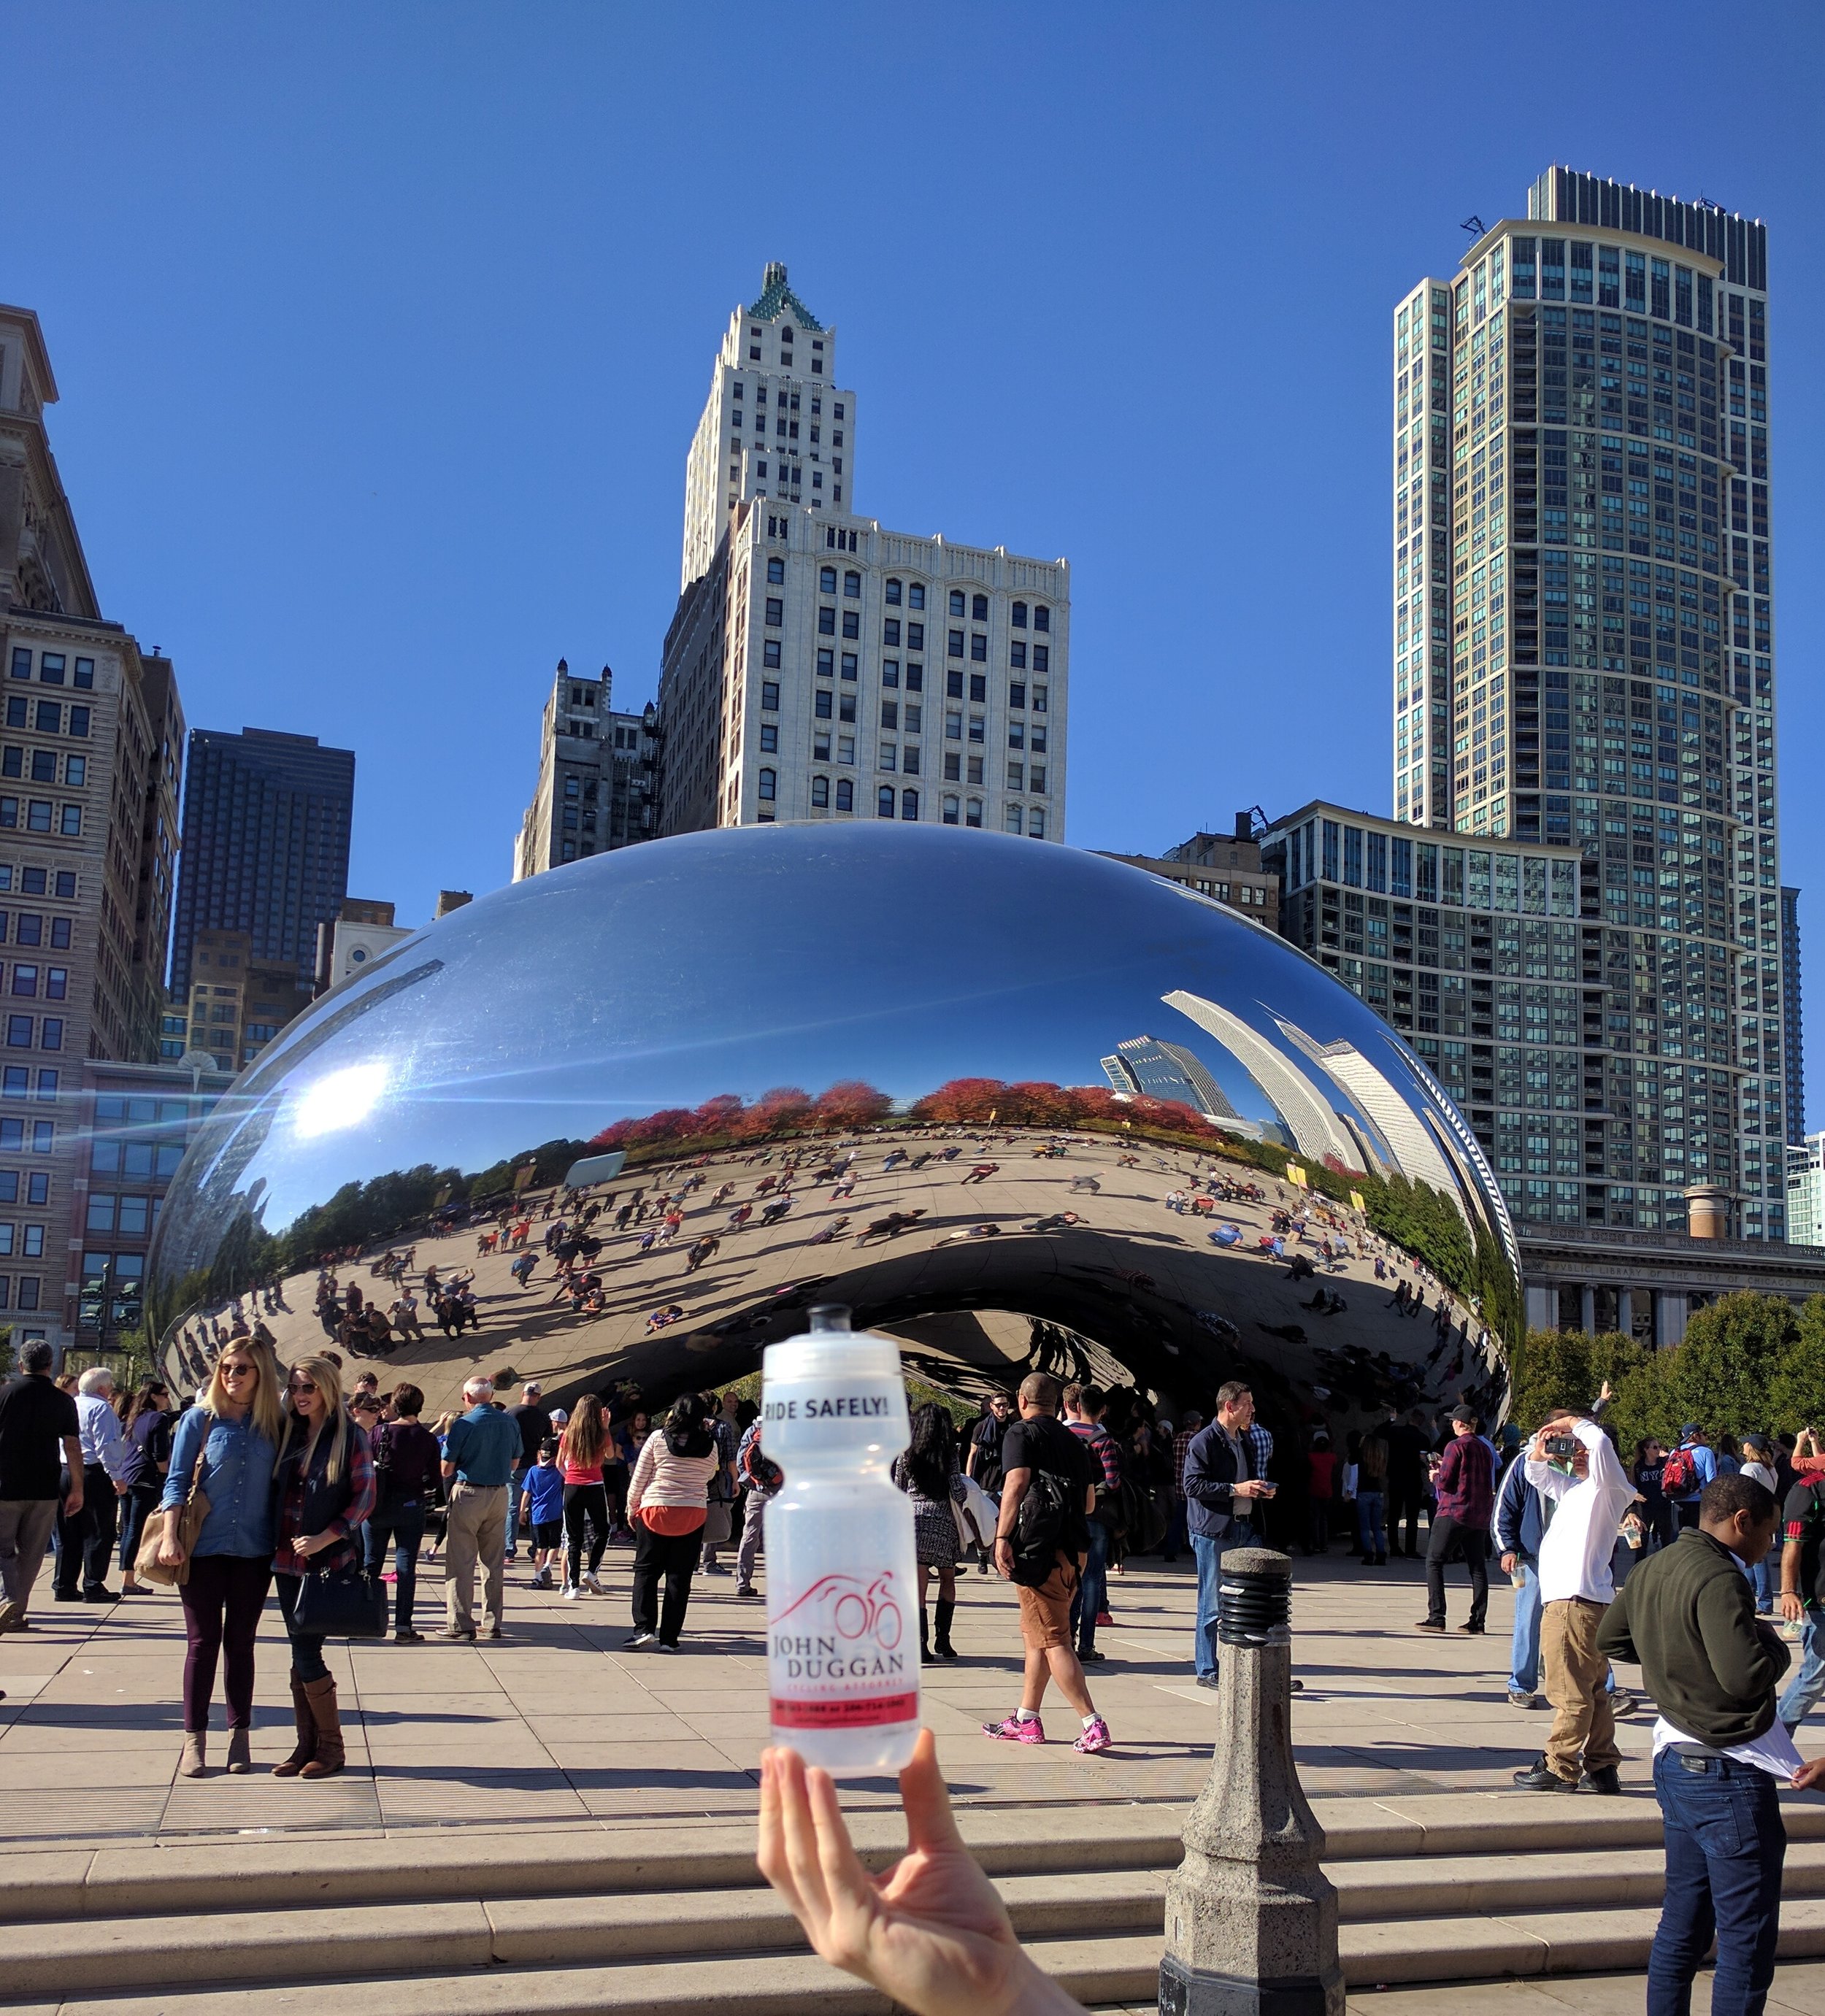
382, 333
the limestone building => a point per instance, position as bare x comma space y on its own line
819, 667
597, 776
1583, 637
91, 757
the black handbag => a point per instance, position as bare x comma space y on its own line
353, 1605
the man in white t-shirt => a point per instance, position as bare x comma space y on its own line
1572, 1461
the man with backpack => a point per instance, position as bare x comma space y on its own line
1040, 1539
759, 1478
1084, 1408
1689, 1469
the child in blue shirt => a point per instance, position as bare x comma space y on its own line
545, 1509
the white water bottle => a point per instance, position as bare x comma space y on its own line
842, 1567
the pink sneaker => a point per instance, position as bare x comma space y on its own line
1095, 1738
1014, 1731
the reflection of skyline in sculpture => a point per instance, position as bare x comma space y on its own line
1157, 1070
1316, 1130
1409, 1148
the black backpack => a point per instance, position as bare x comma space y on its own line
1038, 1525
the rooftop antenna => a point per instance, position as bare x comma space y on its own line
1474, 225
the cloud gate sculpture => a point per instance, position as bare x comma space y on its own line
1018, 1104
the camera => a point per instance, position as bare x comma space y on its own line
1561, 1449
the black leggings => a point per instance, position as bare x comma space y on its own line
584, 1502
223, 1597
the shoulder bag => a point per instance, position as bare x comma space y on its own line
189, 1518
352, 1605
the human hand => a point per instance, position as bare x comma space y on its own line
1004, 1557
313, 1543
119, 1490
1792, 1610
1606, 1394
1508, 1564
73, 1504
171, 1551
931, 1933
1251, 1487
1809, 1777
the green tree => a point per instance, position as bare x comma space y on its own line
1724, 1375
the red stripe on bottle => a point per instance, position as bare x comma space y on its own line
845, 1713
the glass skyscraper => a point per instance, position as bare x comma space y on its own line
1583, 643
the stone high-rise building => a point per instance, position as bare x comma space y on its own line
597, 776
817, 666
1583, 639
90, 755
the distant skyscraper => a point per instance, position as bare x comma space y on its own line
1583, 626
1805, 1191
809, 645
266, 829
1790, 1016
1155, 1069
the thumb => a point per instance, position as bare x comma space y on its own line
930, 1824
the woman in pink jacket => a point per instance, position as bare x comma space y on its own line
667, 1508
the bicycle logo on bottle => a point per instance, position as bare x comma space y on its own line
853, 1610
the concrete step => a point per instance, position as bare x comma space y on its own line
1407, 1917
1120, 1969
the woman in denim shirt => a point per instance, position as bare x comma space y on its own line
226, 1444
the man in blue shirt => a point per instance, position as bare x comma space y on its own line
480, 1453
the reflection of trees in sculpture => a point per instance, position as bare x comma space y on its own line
728, 1121
980, 1101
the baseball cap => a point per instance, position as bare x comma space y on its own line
1691, 1428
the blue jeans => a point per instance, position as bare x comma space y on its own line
401, 1521
1371, 1534
518, 1484
1176, 1534
1209, 1549
1523, 1654
1762, 1580
1091, 1597
1725, 1844
1806, 1689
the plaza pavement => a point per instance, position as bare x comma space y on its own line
556, 1729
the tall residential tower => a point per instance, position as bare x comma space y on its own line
1583, 637
819, 667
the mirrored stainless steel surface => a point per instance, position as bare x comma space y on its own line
950, 1078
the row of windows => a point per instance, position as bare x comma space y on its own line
28, 929
114, 1157
55, 980
16, 1083
36, 1186
46, 717
132, 1217
20, 1031
17, 1136
43, 766
19, 1293
28, 1239
51, 667
42, 816
40, 882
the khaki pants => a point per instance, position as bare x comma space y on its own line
1583, 1736
477, 1532
25, 1533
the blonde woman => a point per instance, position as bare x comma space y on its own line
582, 1449
226, 1445
322, 1489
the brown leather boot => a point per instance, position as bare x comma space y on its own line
307, 1743
191, 1764
331, 1757
240, 1757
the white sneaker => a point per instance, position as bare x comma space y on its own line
593, 1584
571, 1592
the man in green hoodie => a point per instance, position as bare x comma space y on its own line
1687, 1615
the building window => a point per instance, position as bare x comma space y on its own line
883, 802
820, 792
888, 753
1016, 656
766, 786
769, 738
915, 594
1011, 819
909, 805
957, 602
775, 570
891, 592
1041, 617
770, 695
845, 795
775, 611
1017, 615
852, 585
952, 812
973, 814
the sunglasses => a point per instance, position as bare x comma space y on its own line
301, 1386
237, 1371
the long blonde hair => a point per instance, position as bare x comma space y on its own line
323, 1374
267, 1409
585, 1435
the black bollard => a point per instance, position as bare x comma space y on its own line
1251, 1919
